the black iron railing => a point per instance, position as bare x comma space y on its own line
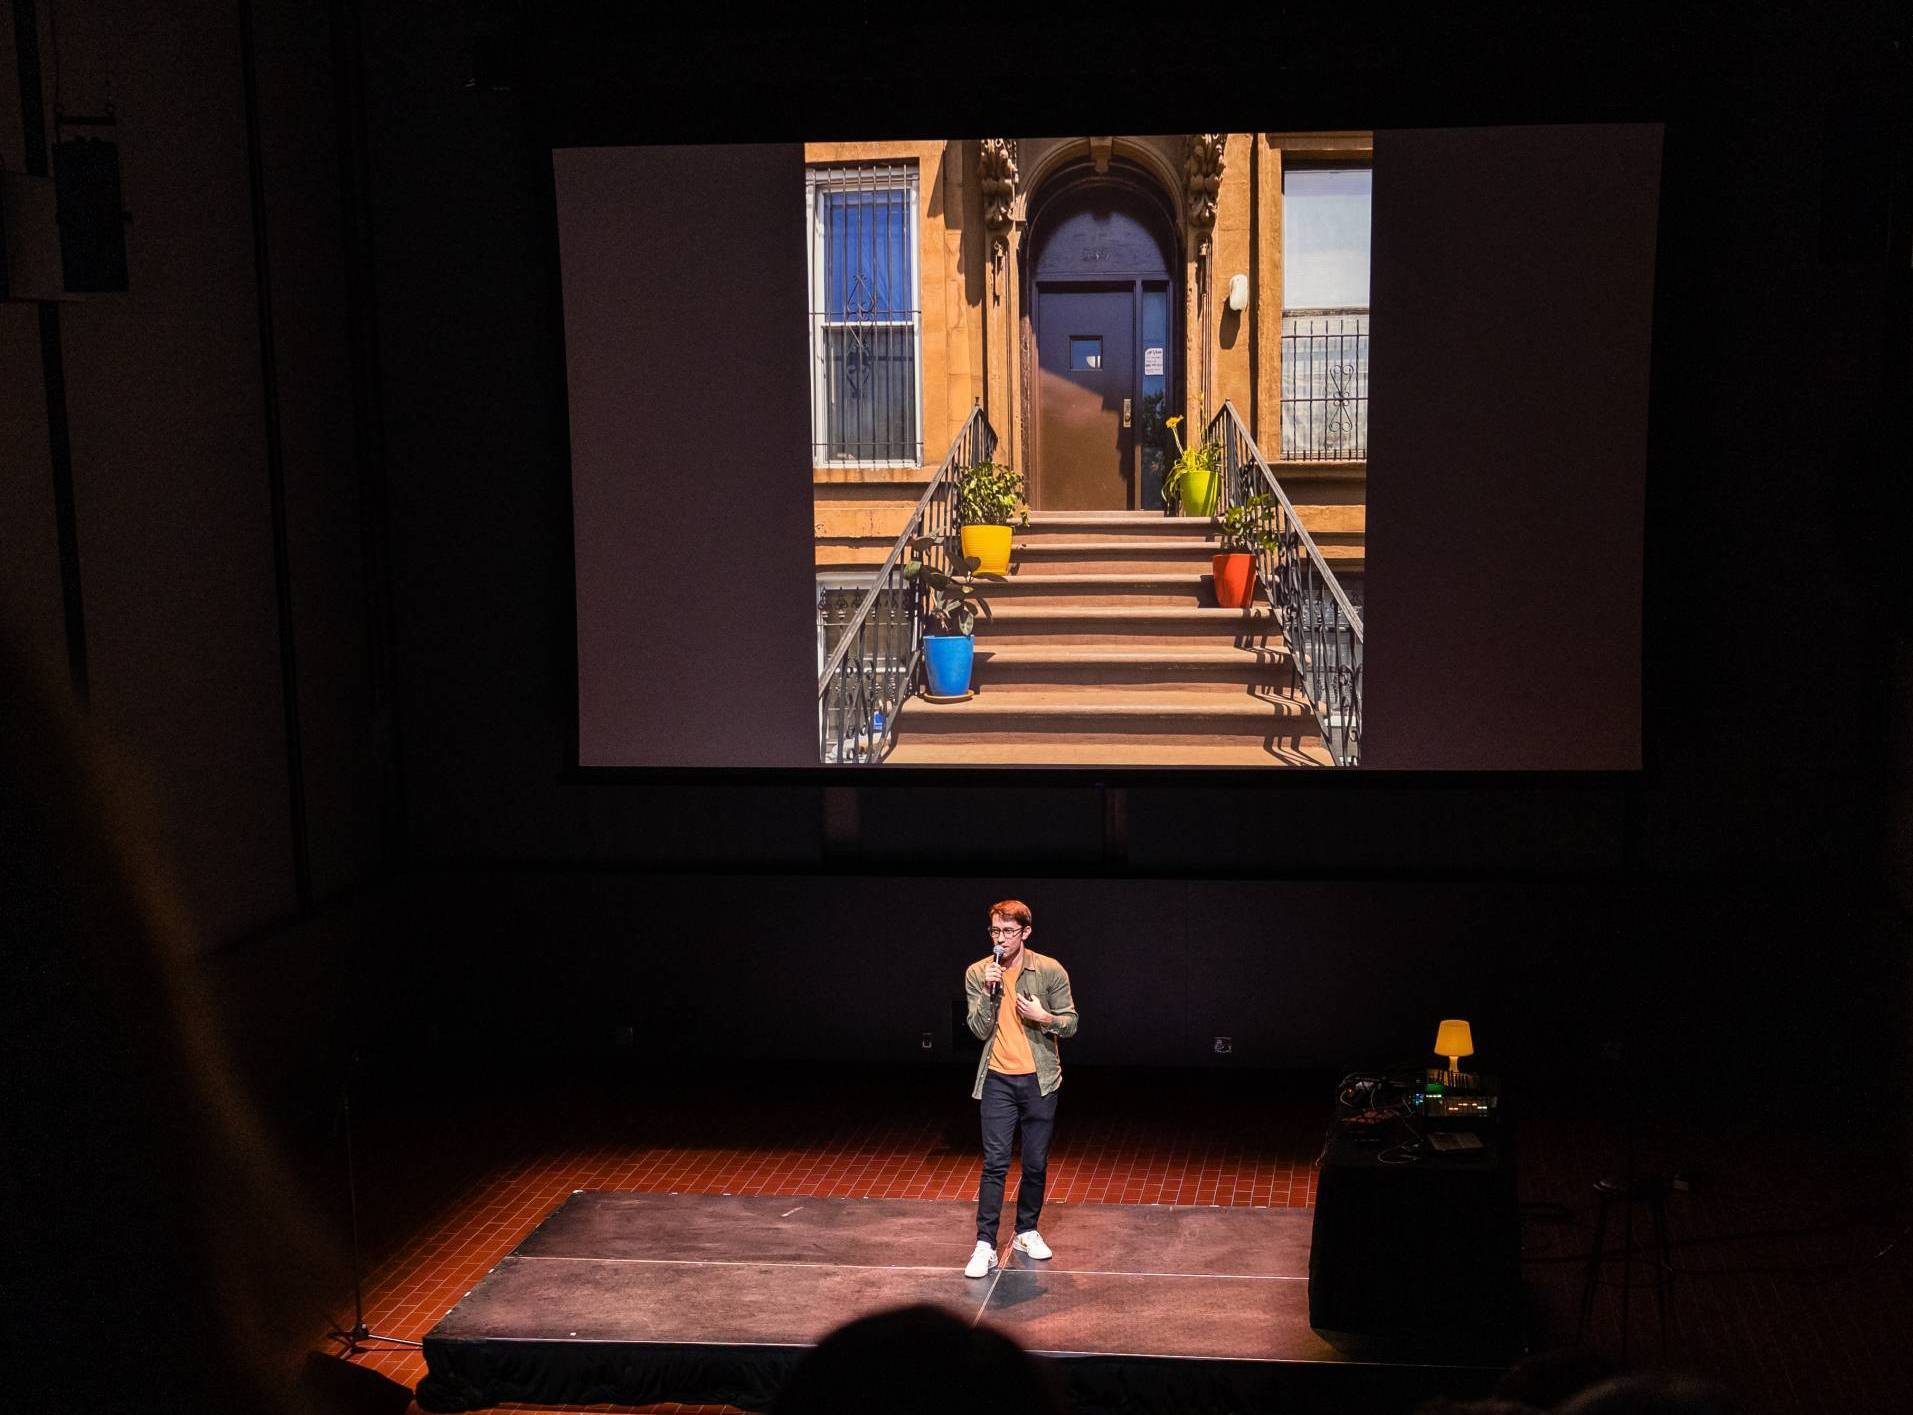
1324, 385
1321, 629
879, 652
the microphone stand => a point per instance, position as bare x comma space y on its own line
358, 1334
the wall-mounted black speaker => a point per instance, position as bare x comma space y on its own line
86, 174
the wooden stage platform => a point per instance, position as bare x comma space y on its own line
640, 1298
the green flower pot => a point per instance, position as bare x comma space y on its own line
1197, 493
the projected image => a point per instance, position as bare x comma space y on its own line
1031, 453
1089, 442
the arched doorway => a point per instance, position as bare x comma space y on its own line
1102, 304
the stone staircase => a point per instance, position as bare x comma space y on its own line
1104, 648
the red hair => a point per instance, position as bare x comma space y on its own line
1015, 910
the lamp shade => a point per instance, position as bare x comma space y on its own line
1454, 1039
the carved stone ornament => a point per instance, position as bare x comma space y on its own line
1202, 175
997, 176
1099, 150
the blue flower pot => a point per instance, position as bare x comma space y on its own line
947, 659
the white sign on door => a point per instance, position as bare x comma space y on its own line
1152, 361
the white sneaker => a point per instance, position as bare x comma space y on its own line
1033, 1244
981, 1261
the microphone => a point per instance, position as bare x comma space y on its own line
996, 988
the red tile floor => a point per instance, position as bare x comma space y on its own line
1783, 1290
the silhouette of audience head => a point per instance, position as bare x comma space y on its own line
1582, 1383
1653, 1394
918, 1360
1549, 1379
1484, 1405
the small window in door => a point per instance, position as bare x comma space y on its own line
1085, 352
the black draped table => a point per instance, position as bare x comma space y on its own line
1416, 1249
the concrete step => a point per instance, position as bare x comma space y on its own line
1020, 668
1192, 718
1185, 587
1138, 556
1103, 525
936, 751
1321, 516
1132, 555
1125, 626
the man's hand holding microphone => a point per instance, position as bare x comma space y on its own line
1028, 1008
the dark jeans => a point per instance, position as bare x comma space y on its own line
1010, 1102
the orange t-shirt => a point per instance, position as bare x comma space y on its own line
1010, 1047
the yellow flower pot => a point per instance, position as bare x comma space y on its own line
990, 545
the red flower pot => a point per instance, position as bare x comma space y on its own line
1235, 578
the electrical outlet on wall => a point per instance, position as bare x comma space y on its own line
1224, 1046
928, 1041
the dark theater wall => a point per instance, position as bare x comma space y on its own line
168, 416
481, 519
1562, 979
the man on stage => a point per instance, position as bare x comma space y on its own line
1020, 1007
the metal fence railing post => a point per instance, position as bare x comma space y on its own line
1320, 627
873, 668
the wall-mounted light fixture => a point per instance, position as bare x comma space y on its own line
1238, 293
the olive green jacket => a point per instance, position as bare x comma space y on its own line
1043, 979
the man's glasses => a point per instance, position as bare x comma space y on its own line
1010, 932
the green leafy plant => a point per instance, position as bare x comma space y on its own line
991, 494
1246, 525
1205, 457
951, 602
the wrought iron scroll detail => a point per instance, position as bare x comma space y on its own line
1325, 384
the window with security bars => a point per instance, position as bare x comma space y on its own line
1325, 263
866, 325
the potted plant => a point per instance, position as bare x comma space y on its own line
1243, 534
950, 607
990, 501
1193, 477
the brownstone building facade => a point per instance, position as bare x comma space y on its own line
1080, 291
